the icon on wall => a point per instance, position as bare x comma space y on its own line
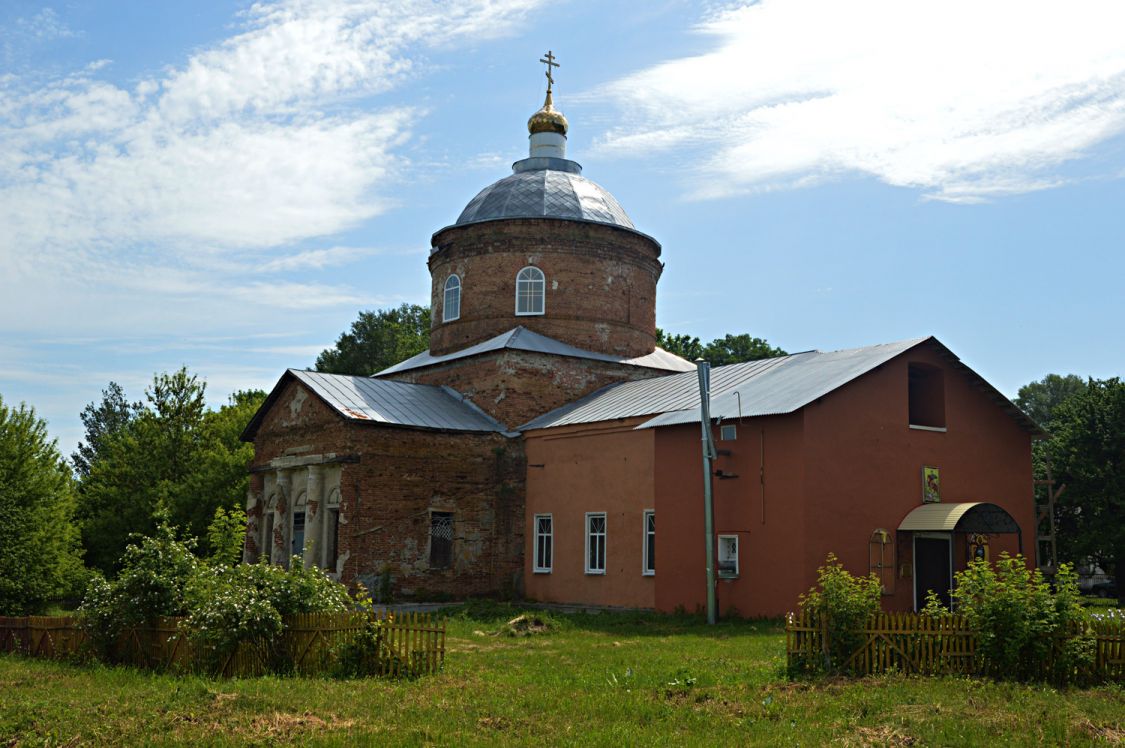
931, 485
978, 547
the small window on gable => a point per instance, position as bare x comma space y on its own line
451, 304
441, 540
926, 396
728, 556
530, 289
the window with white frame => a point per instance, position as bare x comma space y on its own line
530, 290
544, 543
728, 556
648, 566
595, 542
451, 305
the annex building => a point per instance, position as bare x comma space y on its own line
544, 446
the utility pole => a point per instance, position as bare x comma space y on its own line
704, 370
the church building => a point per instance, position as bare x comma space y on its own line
538, 445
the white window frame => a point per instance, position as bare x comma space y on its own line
445, 315
737, 569
550, 536
728, 432
646, 538
536, 278
589, 536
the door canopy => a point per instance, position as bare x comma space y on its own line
973, 516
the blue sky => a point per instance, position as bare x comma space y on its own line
225, 185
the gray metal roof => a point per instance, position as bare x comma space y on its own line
534, 191
386, 402
767, 387
520, 338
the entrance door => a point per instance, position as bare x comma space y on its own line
932, 562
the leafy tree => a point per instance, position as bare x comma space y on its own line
729, 349
1087, 453
39, 558
102, 420
174, 455
1040, 399
734, 349
378, 340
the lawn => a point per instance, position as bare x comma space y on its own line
590, 679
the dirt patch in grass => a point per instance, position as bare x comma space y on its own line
528, 624
884, 735
494, 723
1112, 734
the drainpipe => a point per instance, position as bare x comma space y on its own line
704, 371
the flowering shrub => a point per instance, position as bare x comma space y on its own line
155, 572
246, 603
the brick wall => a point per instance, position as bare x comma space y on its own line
515, 386
390, 481
600, 283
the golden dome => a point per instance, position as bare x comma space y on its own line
548, 119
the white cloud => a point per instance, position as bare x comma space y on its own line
253, 142
964, 100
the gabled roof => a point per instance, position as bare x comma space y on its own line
772, 386
378, 401
522, 339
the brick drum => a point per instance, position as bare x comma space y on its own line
600, 283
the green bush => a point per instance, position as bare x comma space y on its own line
366, 653
155, 572
1025, 630
841, 603
230, 606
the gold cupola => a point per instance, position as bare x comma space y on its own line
548, 119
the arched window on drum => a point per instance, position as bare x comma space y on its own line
530, 291
451, 301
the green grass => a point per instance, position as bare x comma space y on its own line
612, 679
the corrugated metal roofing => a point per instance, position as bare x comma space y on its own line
936, 517
392, 403
756, 388
520, 338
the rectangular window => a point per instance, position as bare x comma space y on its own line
441, 540
649, 566
595, 542
544, 543
298, 534
332, 539
267, 536
728, 432
926, 396
728, 556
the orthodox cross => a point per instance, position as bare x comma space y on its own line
549, 60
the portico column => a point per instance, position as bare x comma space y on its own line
281, 521
314, 514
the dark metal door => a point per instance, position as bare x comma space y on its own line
931, 570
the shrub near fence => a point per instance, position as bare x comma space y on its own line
410, 644
936, 645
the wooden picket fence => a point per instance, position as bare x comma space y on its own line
931, 645
410, 644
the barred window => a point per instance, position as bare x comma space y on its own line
530, 289
441, 540
544, 543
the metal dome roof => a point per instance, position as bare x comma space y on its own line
545, 188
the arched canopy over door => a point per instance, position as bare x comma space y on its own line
977, 516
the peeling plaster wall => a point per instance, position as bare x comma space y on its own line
389, 480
